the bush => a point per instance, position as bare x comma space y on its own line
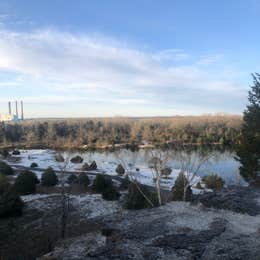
110, 193
10, 204
166, 172
125, 183
72, 179
16, 152
85, 167
4, 153
34, 165
135, 199
5, 168
93, 166
198, 186
99, 183
49, 177
4, 184
83, 179
76, 159
120, 169
213, 182
25, 183
104, 185
59, 158
178, 188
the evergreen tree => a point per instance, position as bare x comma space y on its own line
249, 144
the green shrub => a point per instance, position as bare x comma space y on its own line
34, 165
213, 182
84, 179
4, 153
120, 169
5, 168
49, 177
198, 186
4, 184
166, 172
76, 159
100, 183
89, 167
110, 193
16, 152
85, 167
25, 183
72, 179
136, 200
59, 158
93, 166
104, 185
125, 183
10, 204
178, 189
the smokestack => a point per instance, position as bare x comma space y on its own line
16, 107
9, 107
22, 117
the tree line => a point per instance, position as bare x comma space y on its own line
221, 129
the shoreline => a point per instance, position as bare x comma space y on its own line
104, 147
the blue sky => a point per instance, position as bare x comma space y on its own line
128, 58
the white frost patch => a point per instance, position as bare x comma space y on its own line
32, 197
197, 218
91, 206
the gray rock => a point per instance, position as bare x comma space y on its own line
237, 199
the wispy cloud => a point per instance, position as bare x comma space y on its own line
62, 66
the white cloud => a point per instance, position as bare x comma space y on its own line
82, 67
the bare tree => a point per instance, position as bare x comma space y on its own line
64, 197
158, 164
190, 165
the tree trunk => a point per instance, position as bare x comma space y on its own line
158, 188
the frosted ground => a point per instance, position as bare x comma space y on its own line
107, 162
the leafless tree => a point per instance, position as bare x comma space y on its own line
64, 197
158, 160
190, 165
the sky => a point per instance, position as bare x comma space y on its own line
98, 58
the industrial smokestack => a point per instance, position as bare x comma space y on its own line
16, 107
22, 117
9, 108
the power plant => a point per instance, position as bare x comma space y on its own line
11, 116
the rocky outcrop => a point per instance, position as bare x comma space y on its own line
99, 229
238, 199
174, 231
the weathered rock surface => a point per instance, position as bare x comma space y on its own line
177, 230
238, 199
99, 229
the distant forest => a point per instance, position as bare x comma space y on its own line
101, 132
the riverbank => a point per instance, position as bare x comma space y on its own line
112, 147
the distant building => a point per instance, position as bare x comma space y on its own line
10, 116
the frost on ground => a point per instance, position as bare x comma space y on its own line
177, 230
87, 206
91, 206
